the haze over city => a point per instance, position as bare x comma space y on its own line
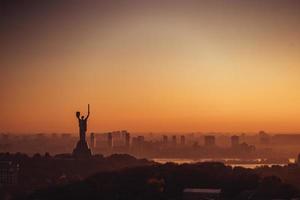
150, 66
151, 100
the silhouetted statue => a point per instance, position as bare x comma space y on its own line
82, 124
82, 150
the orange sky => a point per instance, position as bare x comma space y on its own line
185, 66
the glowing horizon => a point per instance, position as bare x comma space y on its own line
149, 66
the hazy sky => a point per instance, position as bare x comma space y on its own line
150, 65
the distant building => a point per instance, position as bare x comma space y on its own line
182, 140
65, 136
209, 141
141, 139
264, 138
8, 173
115, 140
101, 141
138, 143
246, 148
235, 141
54, 136
165, 139
287, 139
110, 140
93, 140
201, 194
134, 142
120, 139
174, 140
127, 139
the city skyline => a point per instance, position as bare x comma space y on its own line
151, 66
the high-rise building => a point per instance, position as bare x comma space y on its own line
110, 140
264, 138
127, 139
182, 140
165, 139
138, 142
235, 141
209, 141
101, 141
174, 140
141, 139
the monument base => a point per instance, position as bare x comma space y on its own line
82, 150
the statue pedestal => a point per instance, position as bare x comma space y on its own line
82, 150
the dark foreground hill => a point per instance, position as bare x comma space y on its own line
159, 182
38, 172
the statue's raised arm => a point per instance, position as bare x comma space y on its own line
78, 115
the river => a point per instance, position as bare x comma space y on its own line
232, 162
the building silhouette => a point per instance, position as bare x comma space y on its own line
93, 140
209, 141
165, 139
264, 138
127, 139
110, 140
235, 141
174, 140
182, 140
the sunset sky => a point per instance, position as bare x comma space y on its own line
150, 65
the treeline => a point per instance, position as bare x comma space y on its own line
43, 171
119, 177
166, 182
